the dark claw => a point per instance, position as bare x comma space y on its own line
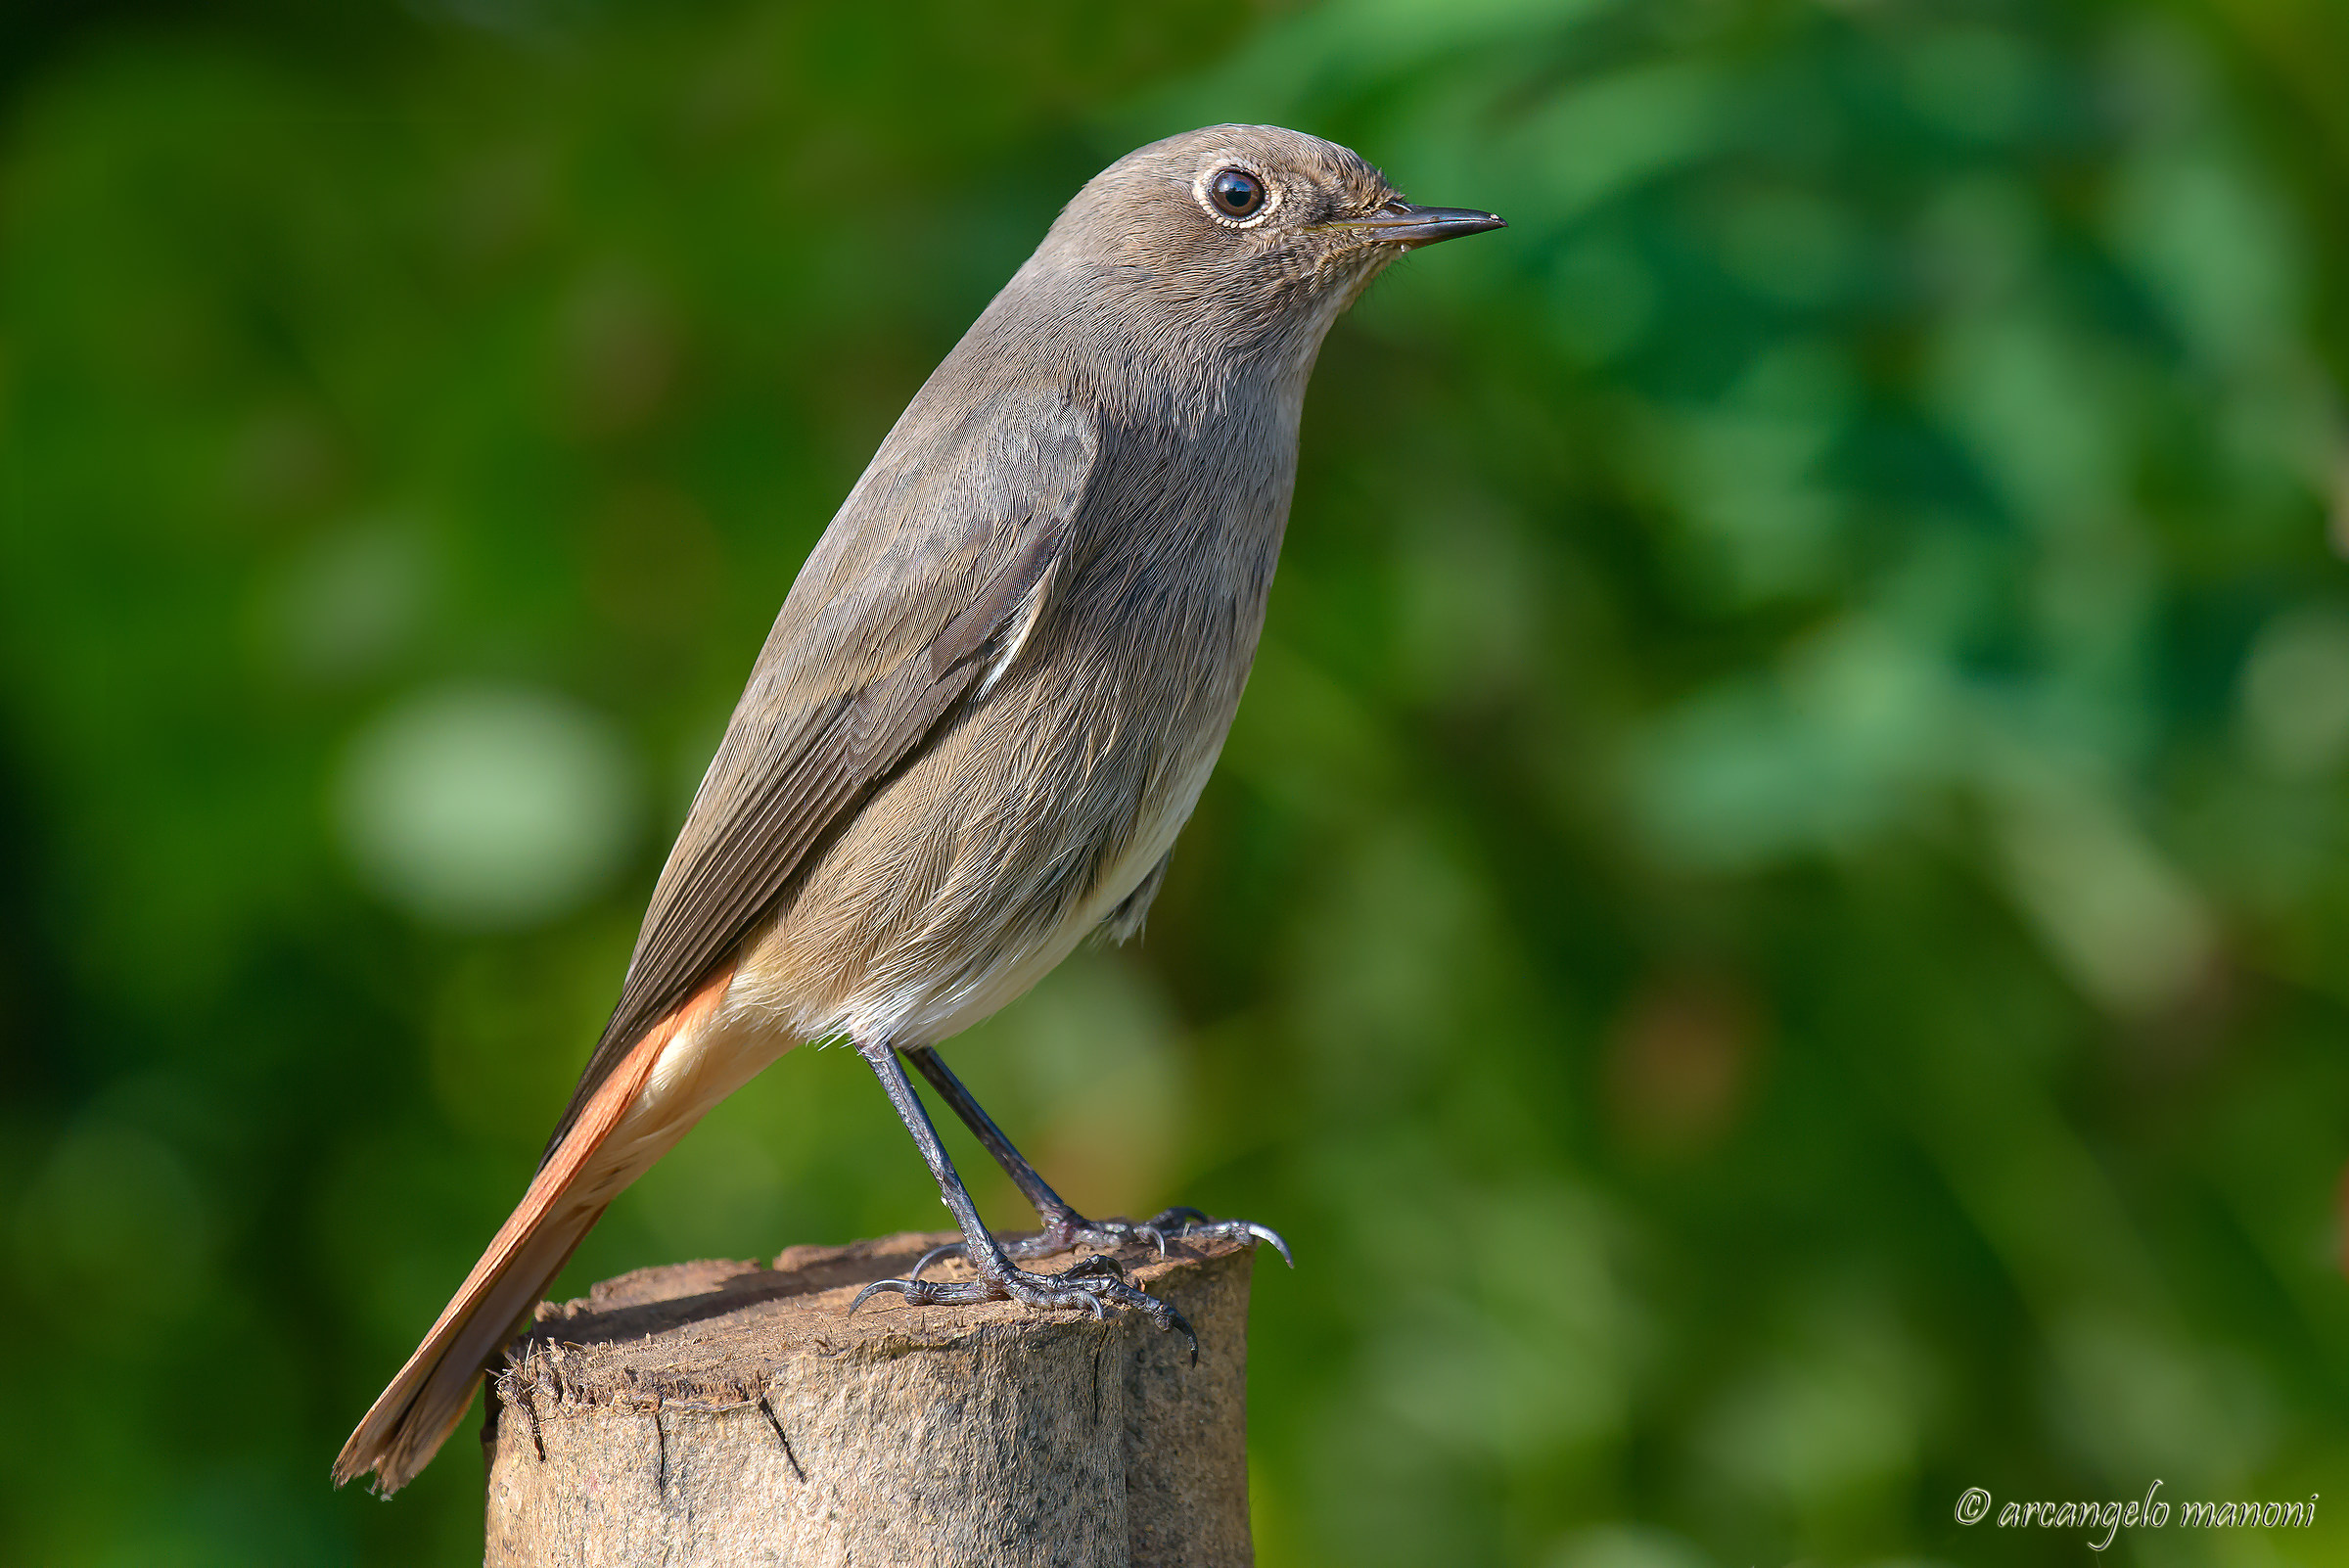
866, 1294
952, 1249
1176, 1319
1191, 1223
1265, 1233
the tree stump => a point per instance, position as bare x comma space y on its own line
717, 1415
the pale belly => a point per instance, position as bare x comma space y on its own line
953, 896
951, 1010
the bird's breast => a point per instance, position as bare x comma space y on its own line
1044, 801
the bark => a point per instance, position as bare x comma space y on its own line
716, 1415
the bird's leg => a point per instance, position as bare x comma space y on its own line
1095, 1284
1064, 1227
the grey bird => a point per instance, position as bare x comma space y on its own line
988, 706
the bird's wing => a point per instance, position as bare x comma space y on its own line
898, 614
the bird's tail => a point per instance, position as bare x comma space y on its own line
650, 1101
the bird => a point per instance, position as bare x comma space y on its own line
988, 704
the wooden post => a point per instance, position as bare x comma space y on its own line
716, 1415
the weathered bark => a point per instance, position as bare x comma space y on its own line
716, 1415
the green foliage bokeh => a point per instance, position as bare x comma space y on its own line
1773, 927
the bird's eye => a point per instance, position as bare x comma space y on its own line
1236, 193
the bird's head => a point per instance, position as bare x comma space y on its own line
1251, 224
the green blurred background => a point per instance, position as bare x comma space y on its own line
1773, 928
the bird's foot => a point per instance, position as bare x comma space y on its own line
1094, 1285
1064, 1231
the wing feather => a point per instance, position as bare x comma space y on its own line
888, 627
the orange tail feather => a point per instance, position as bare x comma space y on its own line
412, 1418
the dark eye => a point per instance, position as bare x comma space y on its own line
1235, 192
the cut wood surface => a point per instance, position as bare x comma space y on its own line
719, 1413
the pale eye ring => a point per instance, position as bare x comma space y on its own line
1236, 194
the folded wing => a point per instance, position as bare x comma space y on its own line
892, 624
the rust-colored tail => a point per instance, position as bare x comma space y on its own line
586, 1171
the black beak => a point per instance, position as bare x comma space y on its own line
1399, 222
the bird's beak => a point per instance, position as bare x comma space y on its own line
1399, 222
